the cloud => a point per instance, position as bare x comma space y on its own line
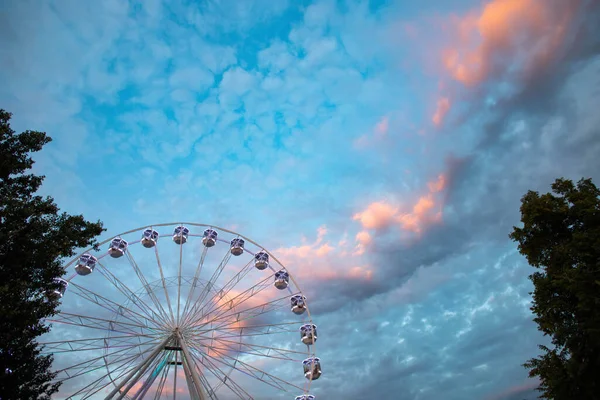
376, 136
516, 392
320, 261
425, 210
514, 37
442, 108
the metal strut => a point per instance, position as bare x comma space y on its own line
189, 363
139, 370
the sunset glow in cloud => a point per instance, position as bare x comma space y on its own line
427, 209
321, 260
507, 37
378, 133
443, 106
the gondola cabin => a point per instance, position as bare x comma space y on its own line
86, 264
60, 287
209, 237
298, 304
180, 235
117, 247
312, 368
237, 246
149, 238
261, 260
308, 334
282, 279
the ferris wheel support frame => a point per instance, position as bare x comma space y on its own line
142, 367
186, 355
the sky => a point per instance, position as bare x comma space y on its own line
378, 148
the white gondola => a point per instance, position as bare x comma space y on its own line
298, 304
86, 264
305, 397
209, 238
312, 368
282, 279
237, 246
60, 287
308, 334
180, 234
149, 238
117, 247
261, 260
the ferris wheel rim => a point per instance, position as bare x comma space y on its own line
312, 351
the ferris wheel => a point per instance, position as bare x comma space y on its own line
181, 310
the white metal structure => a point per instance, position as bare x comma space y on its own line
180, 310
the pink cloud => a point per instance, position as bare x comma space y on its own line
378, 215
437, 185
363, 240
324, 250
322, 260
507, 35
424, 211
443, 106
378, 132
511, 40
382, 127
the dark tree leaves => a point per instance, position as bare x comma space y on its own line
560, 237
34, 238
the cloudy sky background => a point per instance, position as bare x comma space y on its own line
380, 148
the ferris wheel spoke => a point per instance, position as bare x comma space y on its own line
163, 380
209, 286
256, 346
143, 377
249, 331
236, 300
264, 377
90, 365
253, 372
226, 288
132, 297
247, 314
62, 346
102, 324
146, 286
162, 278
241, 317
157, 368
218, 373
110, 305
131, 369
140, 369
175, 378
195, 281
206, 387
259, 353
179, 283
88, 369
256, 350
98, 385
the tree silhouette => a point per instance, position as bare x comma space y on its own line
34, 238
560, 237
